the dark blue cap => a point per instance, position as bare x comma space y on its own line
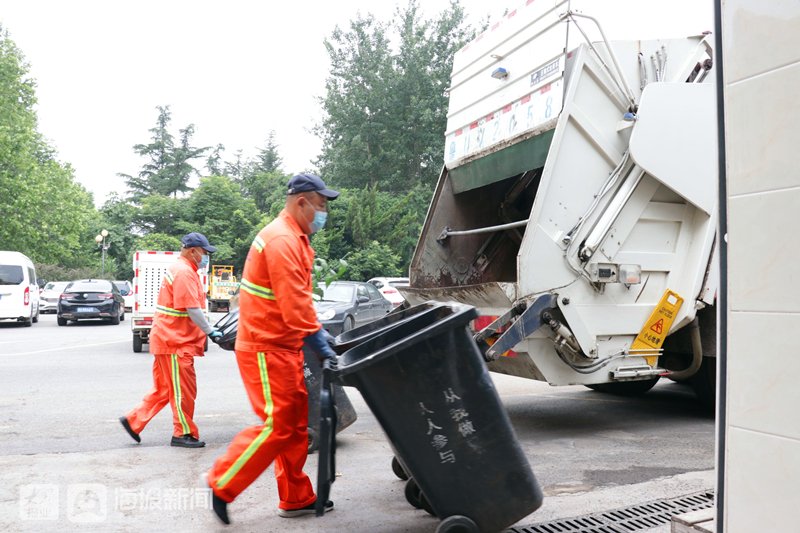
190, 240
310, 182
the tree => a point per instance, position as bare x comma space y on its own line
385, 112
219, 211
268, 159
168, 167
214, 162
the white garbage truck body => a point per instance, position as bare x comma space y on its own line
577, 205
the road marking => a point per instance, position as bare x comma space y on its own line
64, 348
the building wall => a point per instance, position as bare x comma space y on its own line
761, 61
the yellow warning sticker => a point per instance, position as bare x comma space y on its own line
651, 337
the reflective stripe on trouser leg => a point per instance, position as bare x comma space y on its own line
155, 400
183, 390
275, 387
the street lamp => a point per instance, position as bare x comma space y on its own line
101, 242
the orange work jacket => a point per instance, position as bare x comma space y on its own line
173, 331
276, 311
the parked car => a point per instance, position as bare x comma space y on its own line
348, 304
48, 298
18, 289
91, 298
126, 290
388, 287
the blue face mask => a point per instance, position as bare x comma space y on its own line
203, 262
320, 217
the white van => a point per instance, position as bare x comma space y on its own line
19, 294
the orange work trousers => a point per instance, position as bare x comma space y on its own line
174, 382
275, 385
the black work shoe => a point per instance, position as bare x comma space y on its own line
187, 441
220, 508
218, 505
308, 509
124, 421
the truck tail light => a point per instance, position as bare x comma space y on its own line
27, 296
147, 321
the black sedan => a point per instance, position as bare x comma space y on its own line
348, 304
91, 298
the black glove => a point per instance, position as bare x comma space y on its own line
330, 339
319, 343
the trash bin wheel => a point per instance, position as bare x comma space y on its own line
416, 498
313, 440
398, 469
457, 524
413, 493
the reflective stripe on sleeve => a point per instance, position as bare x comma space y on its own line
259, 244
164, 310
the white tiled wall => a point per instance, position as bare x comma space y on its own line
761, 54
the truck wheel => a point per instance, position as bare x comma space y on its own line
137, 343
36, 317
704, 383
625, 388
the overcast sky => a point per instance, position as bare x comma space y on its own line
235, 69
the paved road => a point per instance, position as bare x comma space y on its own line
63, 388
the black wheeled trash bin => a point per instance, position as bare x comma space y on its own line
428, 386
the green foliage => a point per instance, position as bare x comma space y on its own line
158, 241
384, 111
218, 210
372, 260
168, 167
51, 272
45, 212
324, 273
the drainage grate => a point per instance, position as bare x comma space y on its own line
626, 520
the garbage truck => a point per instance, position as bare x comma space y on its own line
577, 206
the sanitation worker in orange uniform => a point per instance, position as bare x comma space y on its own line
177, 337
276, 315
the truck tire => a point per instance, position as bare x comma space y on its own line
137, 343
704, 383
625, 388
